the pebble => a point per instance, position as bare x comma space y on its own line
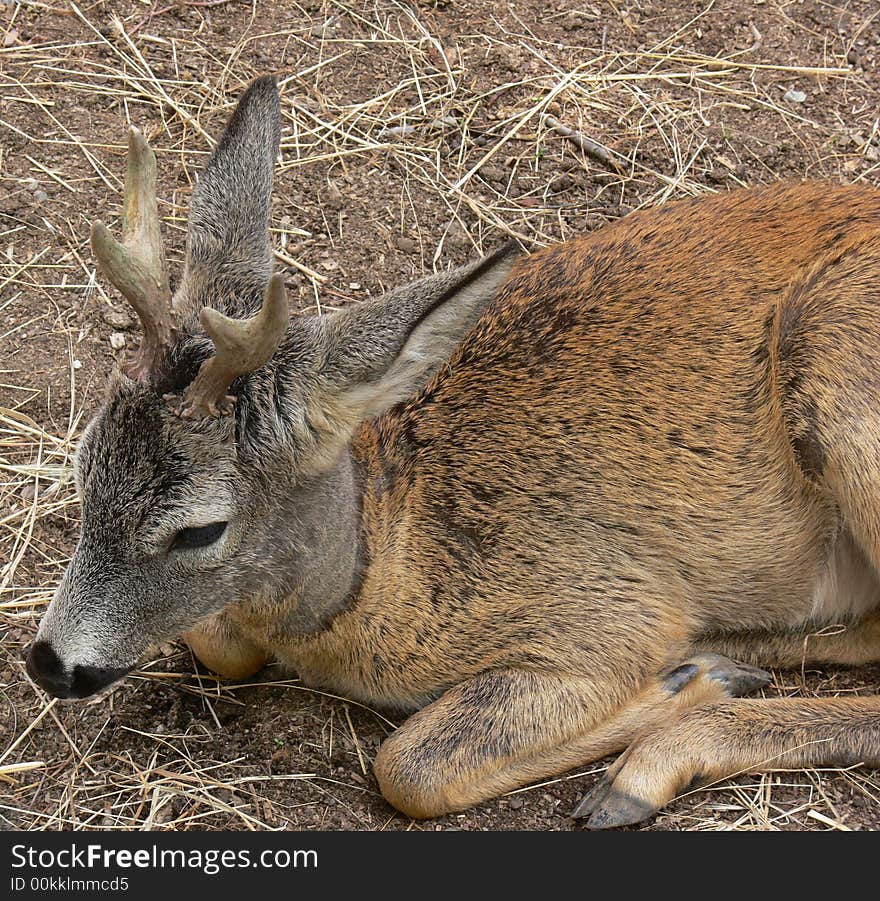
407, 245
456, 238
117, 341
793, 96
562, 182
515, 803
493, 173
28, 492
41, 196
333, 198
117, 319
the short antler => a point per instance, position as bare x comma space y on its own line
242, 345
137, 266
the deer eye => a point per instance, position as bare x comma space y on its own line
200, 536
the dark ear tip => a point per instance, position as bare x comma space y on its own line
265, 84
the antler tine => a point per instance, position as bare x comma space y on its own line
242, 345
137, 266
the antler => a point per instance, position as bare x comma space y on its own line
242, 345
137, 266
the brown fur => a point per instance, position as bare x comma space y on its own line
661, 439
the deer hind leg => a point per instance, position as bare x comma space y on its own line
852, 643
717, 740
504, 729
827, 358
826, 348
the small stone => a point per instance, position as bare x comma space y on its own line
333, 198
117, 319
515, 803
165, 814
407, 245
456, 237
562, 182
793, 96
41, 196
77, 364
852, 56
117, 341
31, 184
28, 493
493, 173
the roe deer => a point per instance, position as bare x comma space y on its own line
540, 500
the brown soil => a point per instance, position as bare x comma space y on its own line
380, 133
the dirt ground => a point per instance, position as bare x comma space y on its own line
415, 135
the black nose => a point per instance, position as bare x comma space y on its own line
46, 669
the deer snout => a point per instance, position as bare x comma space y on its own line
47, 669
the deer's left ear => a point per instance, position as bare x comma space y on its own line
385, 351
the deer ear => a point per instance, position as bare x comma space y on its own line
386, 351
229, 212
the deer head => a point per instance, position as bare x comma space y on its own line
218, 472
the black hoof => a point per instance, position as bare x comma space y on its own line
738, 678
618, 809
591, 799
675, 680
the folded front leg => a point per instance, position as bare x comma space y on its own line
220, 646
504, 729
717, 740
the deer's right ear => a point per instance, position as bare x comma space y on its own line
229, 212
